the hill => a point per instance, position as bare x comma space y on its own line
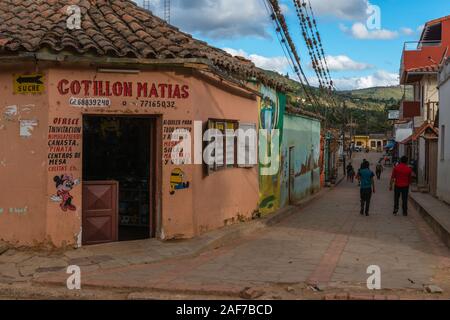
368, 107
380, 93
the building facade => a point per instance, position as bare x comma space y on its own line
419, 69
89, 127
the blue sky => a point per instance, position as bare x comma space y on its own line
360, 57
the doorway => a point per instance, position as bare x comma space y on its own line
118, 178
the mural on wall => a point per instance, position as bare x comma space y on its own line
301, 138
64, 185
177, 181
271, 113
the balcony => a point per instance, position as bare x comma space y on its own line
409, 109
419, 58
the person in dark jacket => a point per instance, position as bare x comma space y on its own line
367, 184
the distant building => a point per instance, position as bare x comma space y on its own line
361, 141
377, 141
419, 68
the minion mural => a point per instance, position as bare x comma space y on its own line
271, 113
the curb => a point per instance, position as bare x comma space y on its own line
440, 231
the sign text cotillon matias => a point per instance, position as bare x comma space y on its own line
90, 88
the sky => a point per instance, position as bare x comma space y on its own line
363, 48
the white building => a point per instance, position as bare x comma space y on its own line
443, 188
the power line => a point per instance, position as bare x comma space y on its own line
319, 39
282, 28
309, 45
314, 44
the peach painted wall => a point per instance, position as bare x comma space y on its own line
22, 163
226, 195
27, 176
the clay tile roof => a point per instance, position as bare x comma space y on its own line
110, 28
427, 69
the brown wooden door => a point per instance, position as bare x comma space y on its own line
100, 212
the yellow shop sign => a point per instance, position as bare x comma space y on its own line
29, 84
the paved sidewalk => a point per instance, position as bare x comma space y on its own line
22, 266
323, 249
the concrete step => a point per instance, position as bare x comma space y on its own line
435, 212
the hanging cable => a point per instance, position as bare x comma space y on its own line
282, 28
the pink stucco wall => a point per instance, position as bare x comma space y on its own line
27, 178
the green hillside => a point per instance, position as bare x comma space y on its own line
380, 93
367, 107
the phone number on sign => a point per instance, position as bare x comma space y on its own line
157, 104
90, 102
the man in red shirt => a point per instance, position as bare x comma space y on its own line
401, 178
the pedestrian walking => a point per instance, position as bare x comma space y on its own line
367, 184
379, 170
400, 182
359, 170
350, 173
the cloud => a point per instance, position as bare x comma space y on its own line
218, 19
342, 9
279, 64
380, 78
420, 28
407, 31
344, 63
360, 31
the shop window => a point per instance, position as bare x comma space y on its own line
225, 153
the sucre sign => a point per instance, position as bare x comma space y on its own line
98, 88
28, 84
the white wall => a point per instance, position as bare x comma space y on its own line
443, 190
421, 161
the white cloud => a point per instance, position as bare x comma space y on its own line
343, 63
279, 64
420, 28
360, 31
218, 18
380, 78
342, 9
407, 31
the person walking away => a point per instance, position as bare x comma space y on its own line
359, 170
400, 182
350, 170
366, 178
379, 170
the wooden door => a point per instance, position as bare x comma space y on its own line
100, 220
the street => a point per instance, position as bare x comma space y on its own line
322, 250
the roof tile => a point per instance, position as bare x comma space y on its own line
117, 28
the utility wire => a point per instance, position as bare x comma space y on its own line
282, 28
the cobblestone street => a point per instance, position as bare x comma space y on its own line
321, 251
